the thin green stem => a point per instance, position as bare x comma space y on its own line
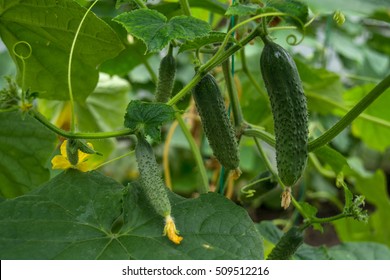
149, 68
204, 188
316, 220
78, 135
261, 134
324, 172
350, 116
114, 159
233, 96
337, 105
185, 7
252, 79
141, 4
198, 76
71, 99
268, 163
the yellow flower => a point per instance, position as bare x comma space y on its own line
62, 162
171, 231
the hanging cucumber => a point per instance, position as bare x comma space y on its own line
154, 187
287, 245
216, 123
166, 77
289, 110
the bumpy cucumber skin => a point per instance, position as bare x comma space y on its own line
216, 123
166, 78
151, 181
287, 245
289, 110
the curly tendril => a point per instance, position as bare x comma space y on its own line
19, 53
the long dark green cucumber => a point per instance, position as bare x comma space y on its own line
216, 123
289, 110
151, 181
287, 245
166, 77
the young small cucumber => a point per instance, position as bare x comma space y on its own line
289, 110
216, 123
287, 245
151, 181
166, 77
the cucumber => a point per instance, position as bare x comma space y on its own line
287, 245
216, 123
289, 110
150, 179
166, 77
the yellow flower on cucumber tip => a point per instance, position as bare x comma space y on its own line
171, 231
62, 162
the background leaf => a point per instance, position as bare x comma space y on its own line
49, 27
159, 30
78, 211
242, 9
197, 43
25, 147
148, 117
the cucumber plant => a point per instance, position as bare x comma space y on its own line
131, 43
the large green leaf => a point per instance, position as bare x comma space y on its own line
25, 147
374, 126
89, 216
49, 27
359, 251
158, 31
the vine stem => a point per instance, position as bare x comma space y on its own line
185, 6
71, 99
78, 135
204, 188
198, 76
350, 116
245, 69
114, 159
234, 102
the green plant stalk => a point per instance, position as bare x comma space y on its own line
78, 135
324, 172
261, 134
373, 119
268, 163
233, 96
204, 188
150, 71
246, 71
141, 4
185, 7
350, 116
71, 99
198, 76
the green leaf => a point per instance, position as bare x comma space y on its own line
211, 38
269, 231
307, 252
294, 8
49, 27
147, 117
126, 61
374, 126
89, 216
331, 157
159, 31
242, 9
25, 147
360, 251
